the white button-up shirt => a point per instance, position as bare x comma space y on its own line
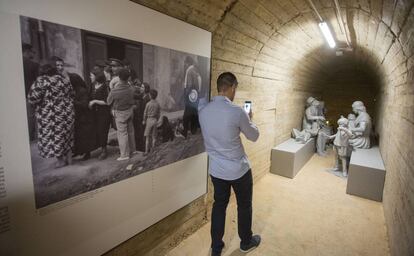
221, 122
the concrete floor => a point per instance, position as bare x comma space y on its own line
308, 215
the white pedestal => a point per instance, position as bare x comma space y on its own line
366, 175
290, 156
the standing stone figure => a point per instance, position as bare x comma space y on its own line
312, 122
362, 129
341, 146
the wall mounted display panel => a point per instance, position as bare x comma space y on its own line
52, 61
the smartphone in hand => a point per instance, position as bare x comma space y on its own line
247, 106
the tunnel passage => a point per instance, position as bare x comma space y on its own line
268, 44
342, 78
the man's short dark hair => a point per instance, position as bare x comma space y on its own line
124, 74
225, 81
153, 94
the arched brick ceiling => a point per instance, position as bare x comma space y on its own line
270, 39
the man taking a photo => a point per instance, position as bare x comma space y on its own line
221, 123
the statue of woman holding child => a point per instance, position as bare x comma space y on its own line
362, 127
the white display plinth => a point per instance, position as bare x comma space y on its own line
366, 175
290, 156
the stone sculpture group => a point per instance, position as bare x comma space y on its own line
353, 132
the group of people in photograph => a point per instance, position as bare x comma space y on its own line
70, 117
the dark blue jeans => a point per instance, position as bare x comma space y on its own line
243, 188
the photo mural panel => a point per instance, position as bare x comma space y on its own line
80, 141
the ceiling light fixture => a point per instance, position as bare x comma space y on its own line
324, 27
327, 34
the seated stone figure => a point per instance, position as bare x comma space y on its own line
362, 127
312, 122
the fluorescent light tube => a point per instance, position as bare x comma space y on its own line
327, 34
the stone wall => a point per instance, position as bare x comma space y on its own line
396, 128
280, 58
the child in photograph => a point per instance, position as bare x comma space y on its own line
165, 130
178, 131
151, 115
121, 100
341, 145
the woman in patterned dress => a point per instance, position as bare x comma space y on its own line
52, 96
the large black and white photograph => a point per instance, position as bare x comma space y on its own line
101, 109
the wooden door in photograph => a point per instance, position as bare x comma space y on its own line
96, 48
133, 53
